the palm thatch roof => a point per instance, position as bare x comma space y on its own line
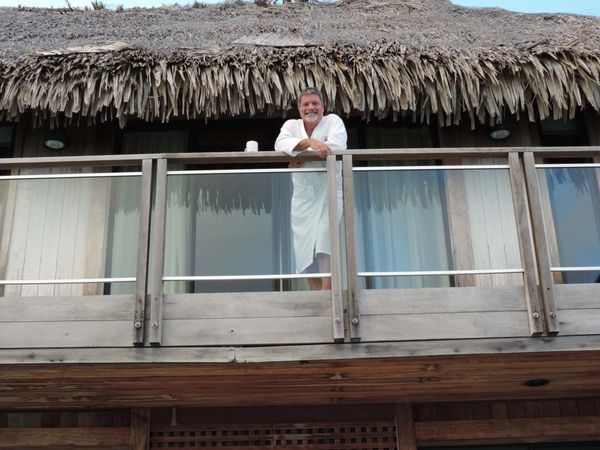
376, 57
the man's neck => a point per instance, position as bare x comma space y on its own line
309, 128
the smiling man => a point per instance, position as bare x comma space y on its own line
310, 226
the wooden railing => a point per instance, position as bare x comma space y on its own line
537, 306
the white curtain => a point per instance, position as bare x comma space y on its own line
54, 229
124, 212
400, 217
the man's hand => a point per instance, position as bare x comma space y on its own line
320, 147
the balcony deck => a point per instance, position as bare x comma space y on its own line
353, 343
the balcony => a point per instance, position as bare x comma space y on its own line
499, 247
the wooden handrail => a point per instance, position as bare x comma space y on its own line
272, 156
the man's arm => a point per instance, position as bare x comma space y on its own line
288, 139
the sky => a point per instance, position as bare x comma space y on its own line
589, 7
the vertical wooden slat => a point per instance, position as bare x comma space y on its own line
534, 305
158, 250
336, 261
406, 438
541, 246
140, 429
351, 264
145, 206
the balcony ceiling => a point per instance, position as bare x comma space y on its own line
367, 380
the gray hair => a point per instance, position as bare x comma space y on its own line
310, 91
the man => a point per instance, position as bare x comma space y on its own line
310, 223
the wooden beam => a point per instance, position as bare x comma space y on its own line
272, 156
140, 429
141, 287
541, 243
336, 260
158, 238
405, 427
532, 297
64, 438
498, 431
351, 264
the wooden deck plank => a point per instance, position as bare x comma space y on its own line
64, 309
499, 431
61, 438
390, 327
247, 331
247, 305
442, 300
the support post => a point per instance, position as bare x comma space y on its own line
336, 260
351, 265
406, 438
541, 243
534, 304
140, 429
141, 286
158, 243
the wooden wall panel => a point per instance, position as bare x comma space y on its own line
56, 228
578, 308
64, 438
480, 207
247, 318
58, 322
443, 313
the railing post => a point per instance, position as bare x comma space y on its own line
351, 266
404, 420
541, 243
534, 305
158, 250
141, 285
336, 260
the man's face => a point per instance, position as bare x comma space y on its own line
311, 109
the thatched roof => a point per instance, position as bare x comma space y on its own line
388, 57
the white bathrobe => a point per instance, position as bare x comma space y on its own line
310, 221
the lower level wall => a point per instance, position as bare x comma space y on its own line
372, 426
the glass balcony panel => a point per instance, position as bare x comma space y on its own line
574, 203
68, 229
237, 225
436, 220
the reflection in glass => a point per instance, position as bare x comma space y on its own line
229, 225
67, 228
432, 220
575, 204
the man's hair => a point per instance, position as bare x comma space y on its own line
310, 91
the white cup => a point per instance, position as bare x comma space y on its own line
251, 146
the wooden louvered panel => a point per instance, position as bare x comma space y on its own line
369, 436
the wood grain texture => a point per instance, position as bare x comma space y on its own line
500, 431
158, 250
351, 264
370, 380
143, 257
541, 244
140, 429
247, 305
64, 438
444, 326
57, 334
533, 300
65, 309
405, 427
337, 305
442, 300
